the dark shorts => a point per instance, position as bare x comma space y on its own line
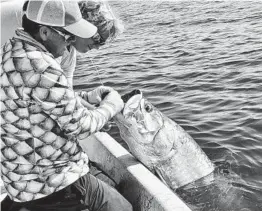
87, 193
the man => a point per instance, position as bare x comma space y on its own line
43, 166
98, 13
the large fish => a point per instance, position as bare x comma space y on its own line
161, 144
171, 153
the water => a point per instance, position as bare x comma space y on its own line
200, 64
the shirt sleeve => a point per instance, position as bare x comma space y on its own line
57, 99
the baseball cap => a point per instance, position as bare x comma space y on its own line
60, 13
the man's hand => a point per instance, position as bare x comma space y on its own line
87, 105
114, 99
96, 96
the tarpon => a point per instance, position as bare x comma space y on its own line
160, 144
171, 153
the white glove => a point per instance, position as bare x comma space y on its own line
114, 101
95, 96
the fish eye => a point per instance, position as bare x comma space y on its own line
148, 108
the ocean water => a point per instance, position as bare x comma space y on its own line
199, 62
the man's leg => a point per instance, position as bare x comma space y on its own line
63, 200
6, 204
88, 192
96, 171
99, 196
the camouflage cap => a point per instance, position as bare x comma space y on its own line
100, 14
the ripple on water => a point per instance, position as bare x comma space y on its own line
199, 62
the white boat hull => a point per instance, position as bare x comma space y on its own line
137, 184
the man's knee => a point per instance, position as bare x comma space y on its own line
100, 196
24, 209
120, 204
115, 201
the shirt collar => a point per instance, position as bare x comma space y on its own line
22, 35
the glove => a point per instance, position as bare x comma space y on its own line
114, 101
87, 104
95, 96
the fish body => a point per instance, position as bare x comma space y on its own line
171, 153
160, 144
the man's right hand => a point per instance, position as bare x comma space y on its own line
87, 104
103, 95
113, 98
95, 96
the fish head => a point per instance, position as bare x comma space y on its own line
142, 121
161, 144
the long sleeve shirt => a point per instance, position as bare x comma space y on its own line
42, 119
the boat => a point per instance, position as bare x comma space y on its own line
136, 183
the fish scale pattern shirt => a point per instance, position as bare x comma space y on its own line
42, 119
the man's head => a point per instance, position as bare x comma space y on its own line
55, 23
98, 13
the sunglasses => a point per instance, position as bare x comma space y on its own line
67, 37
98, 39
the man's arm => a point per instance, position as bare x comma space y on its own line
63, 105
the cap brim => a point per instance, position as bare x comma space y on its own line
82, 29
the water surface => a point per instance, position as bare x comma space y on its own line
200, 64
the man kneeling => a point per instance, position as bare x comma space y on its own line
43, 166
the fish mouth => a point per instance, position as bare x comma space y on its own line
132, 101
129, 95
